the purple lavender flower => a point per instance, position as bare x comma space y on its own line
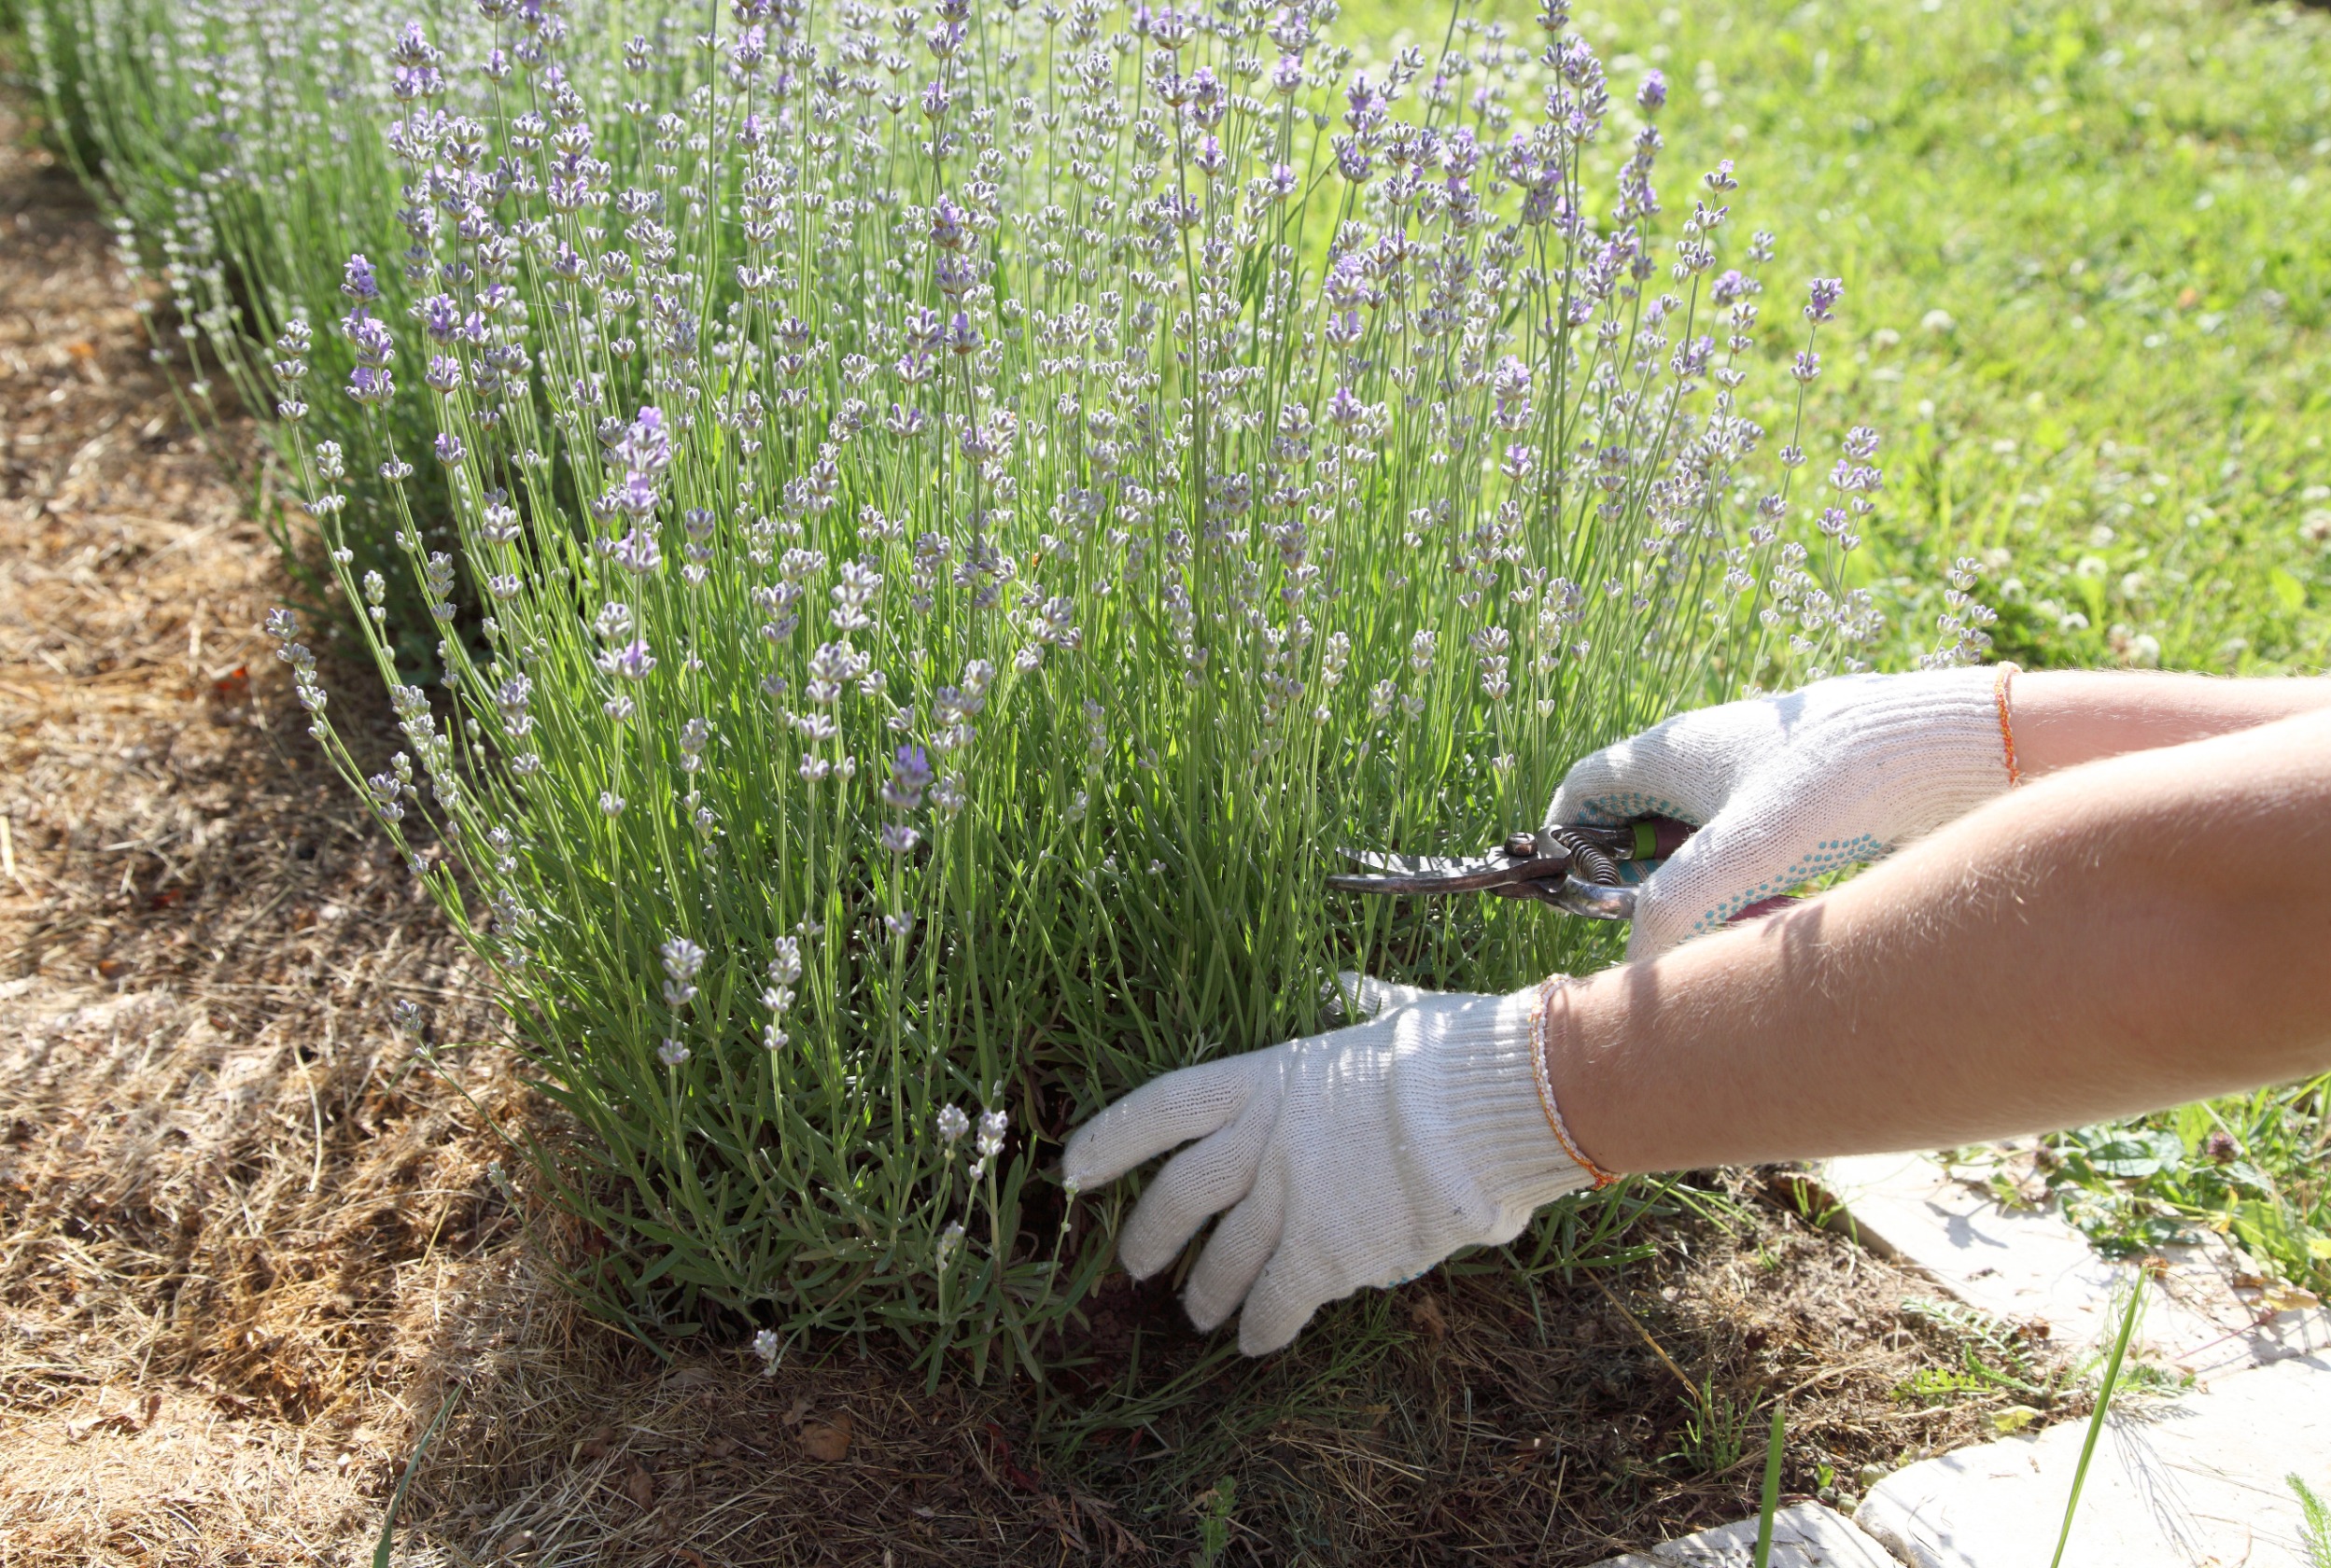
416, 62
682, 960
646, 445
1206, 94
1821, 299
358, 281
638, 552
632, 661
954, 276
368, 336
910, 776
1652, 95
947, 224
636, 497
449, 448
371, 384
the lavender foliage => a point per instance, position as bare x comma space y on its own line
934, 521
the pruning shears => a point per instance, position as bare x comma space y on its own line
1574, 866
1571, 865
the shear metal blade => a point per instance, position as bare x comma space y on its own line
1382, 873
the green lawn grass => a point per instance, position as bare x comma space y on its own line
2088, 250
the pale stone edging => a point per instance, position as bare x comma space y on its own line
2187, 1482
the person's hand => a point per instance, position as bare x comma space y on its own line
1361, 1157
1786, 788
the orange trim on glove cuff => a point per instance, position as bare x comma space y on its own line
1541, 1030
2007, 729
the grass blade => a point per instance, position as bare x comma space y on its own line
1771, 1504
2095, 1421
387, 1543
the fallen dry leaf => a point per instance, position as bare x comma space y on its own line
2014, 1419
599, 1443
796, 1411
826, 1441
639, 1485
137, 1418
720, 1448
1430, 1320
2288, 1298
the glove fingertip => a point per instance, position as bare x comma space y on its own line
1140, 1267
1277, 1307
1260, 1334
1162, 1114
1206, 1316
1085, 1160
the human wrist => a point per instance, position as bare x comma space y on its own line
2065, 718
1578, 1090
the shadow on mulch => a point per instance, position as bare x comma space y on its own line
249, 1246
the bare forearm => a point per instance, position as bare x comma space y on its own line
2065, 718
2138, 932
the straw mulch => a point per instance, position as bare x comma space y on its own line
250, 1245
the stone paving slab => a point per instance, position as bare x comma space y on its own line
2026, 1264
2193, 1482
1805, 1537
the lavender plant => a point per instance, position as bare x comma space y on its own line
238, 147
959, 513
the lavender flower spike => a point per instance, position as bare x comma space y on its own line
632, 661
357, 280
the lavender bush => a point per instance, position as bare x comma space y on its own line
958, 514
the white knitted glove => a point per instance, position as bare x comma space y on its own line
1362, 1156
1786, 788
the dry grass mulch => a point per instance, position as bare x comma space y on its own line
250, 1247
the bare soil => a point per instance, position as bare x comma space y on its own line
250, 1244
